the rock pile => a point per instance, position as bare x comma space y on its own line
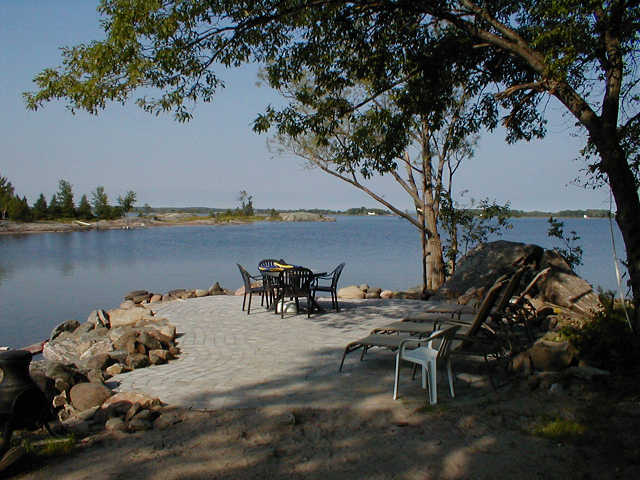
80, 357
144, 297
363, 291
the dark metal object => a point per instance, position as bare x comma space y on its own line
22, 403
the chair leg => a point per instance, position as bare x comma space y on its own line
450, 375
433, 383
244, 299
249, 307
397, 377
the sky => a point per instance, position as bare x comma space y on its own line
209, 160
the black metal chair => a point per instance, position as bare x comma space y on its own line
332, 288
296, 282
250, 289
271, 283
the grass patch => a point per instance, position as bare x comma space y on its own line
51, 447
560, 429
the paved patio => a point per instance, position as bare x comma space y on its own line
231, 359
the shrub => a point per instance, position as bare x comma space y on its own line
607, 341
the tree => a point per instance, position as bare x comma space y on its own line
39, 209
6, 194
54, 211
84, 209
514, 55
100, 202
246, 203
19, 209
127, 202
64, 197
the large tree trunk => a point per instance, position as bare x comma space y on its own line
435, 261
625, 192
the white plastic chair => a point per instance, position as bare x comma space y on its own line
427, 356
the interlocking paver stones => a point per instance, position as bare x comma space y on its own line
231, 359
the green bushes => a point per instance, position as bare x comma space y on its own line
607, 341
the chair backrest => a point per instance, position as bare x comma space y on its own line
446, 339
246, 277
336, 275
268, 263
510, 289
297, 280
485, 307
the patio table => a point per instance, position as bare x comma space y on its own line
273, 279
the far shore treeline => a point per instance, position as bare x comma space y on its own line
62, 205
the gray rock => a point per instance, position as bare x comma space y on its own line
304, 217
158, 357
167, 419
119, 356
100, 350
550, 356
137, 360
139, 425
103, 319
115, 424
95, 376
351, 292
68, 326
87, 395
127, 304
135, 293
114, 369
201, 293
586, 372
155, 298
85, 327
99, 361
120, 317
149, 341
141, 298
174, 293
133, 410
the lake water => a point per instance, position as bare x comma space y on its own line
48, 278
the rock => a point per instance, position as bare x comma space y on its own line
115, 424
95, 376
139, 424
127, 304
550, 356
155, 298
586, 372
141, 298
137, 360
167, 419
216, 289
174, 293
64, 376
68, 326
135, 293
373, 294
120, 317
350, 292
97, 355
85, 327
386, 294
158, 357
86, 395
167, 298
118, 356
126, 342
364, 287
201, 293
521, 364
149, 341
114, 369
99, 361
133, 410
168, 331
129, 398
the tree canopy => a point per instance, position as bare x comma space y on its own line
512, 56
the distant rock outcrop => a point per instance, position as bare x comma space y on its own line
305, 217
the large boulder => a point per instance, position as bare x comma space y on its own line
120, 317
351, 292
482, 266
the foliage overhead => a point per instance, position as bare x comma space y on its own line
512, 56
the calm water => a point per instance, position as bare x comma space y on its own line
48, 278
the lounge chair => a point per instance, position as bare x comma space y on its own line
377, 339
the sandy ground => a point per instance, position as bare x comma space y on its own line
477, 435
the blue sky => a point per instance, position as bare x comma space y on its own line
207, 161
